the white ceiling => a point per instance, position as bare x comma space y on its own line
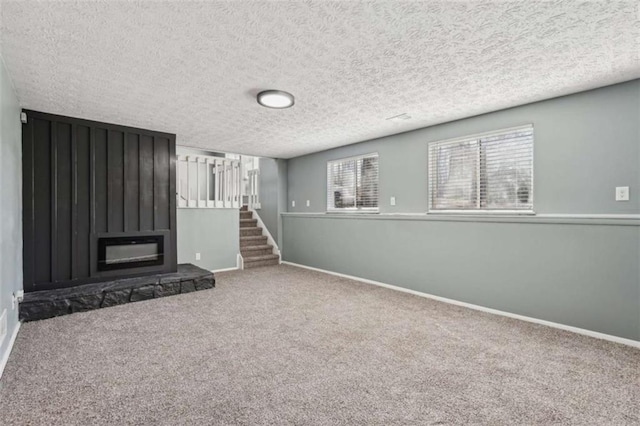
194, 68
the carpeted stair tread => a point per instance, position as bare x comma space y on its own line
257, 247
260, 250
248, 223
253, 238
258, 261
259, 258
253, 244
264, 260
254, 231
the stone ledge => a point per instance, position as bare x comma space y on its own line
52, 303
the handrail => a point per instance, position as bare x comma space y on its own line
208, 182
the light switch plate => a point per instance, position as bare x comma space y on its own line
197, 256
392, 201
308, 203
622, 193
293, 203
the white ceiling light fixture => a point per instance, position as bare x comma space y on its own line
275, 99
353, 85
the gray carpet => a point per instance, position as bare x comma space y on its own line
282, 345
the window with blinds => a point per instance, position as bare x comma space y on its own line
484, 173
352, 183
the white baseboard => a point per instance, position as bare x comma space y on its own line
235, 268
5, 357
572, 329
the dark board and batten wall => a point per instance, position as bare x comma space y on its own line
84, 180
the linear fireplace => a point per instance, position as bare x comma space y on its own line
99, 202
130, 252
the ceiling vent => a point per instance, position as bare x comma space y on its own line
400, 117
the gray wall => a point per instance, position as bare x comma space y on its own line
214, 233
283, 194
273, 195
585, 145
10, 204
582, 273
268, 211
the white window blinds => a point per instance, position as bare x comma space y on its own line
352, 183
490, 172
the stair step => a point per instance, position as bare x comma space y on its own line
256, 240
253, 251
244, 208
260, 258
247, 232
248, 223
246, 215
257, 261
253, 237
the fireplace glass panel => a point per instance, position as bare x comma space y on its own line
131, 253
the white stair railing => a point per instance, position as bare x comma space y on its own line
208, 182
254, 189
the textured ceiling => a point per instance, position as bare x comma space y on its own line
194, 68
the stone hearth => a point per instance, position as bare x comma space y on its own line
52, 303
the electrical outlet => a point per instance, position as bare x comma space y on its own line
622, 193
392, 201
308, 203
197, 256
293, 203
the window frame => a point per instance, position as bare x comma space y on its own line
482, 212
355, 210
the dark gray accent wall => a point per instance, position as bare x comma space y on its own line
10, 208
579, 272
84, 180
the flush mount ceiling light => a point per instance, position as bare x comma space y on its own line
275, 99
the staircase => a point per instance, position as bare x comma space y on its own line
253, 245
